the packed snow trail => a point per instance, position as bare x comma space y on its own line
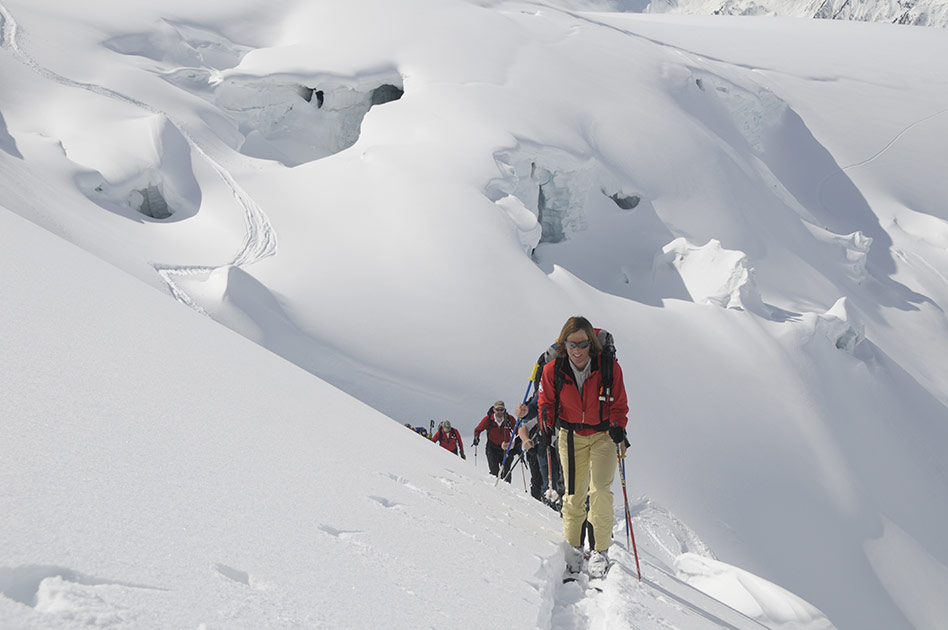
260, 240
661, 601
680, 582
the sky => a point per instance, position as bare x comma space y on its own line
243, 244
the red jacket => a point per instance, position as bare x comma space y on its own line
583, 411
450, 441
497, 434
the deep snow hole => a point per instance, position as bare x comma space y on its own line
556, 187
150, 202
294, 123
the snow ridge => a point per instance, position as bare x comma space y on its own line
260, 239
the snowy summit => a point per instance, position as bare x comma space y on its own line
244, 243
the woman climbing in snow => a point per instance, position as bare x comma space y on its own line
575, 400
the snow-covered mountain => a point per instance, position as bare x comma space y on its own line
404, 202
912, 12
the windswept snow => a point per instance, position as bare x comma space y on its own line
400, 204
757, 598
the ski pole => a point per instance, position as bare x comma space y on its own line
630, 533
549, 469
513, 435
520, 460
503, 462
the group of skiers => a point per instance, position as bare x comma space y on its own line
571, 434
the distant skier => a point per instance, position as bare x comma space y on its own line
590, 423
449, 439
500, 431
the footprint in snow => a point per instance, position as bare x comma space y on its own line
23, 583
342, 534
402, 481
444, 480
233, 574
386, 503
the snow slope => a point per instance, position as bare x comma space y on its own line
181, 476
753, 207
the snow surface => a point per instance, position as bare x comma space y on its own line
396, 206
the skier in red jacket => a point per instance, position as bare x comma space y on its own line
500, 430
449, 439
591, 426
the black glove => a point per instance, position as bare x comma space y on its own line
463, 456
477, 440
617, 434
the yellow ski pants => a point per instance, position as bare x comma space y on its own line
595, 464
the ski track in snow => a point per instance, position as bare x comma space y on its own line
660, 601
914, 260
260, 240
624, 602
694, 57
697, 58
895, 139
697, 602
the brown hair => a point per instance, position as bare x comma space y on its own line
576, 324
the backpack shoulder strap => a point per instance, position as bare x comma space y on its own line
607, 361
558, 367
